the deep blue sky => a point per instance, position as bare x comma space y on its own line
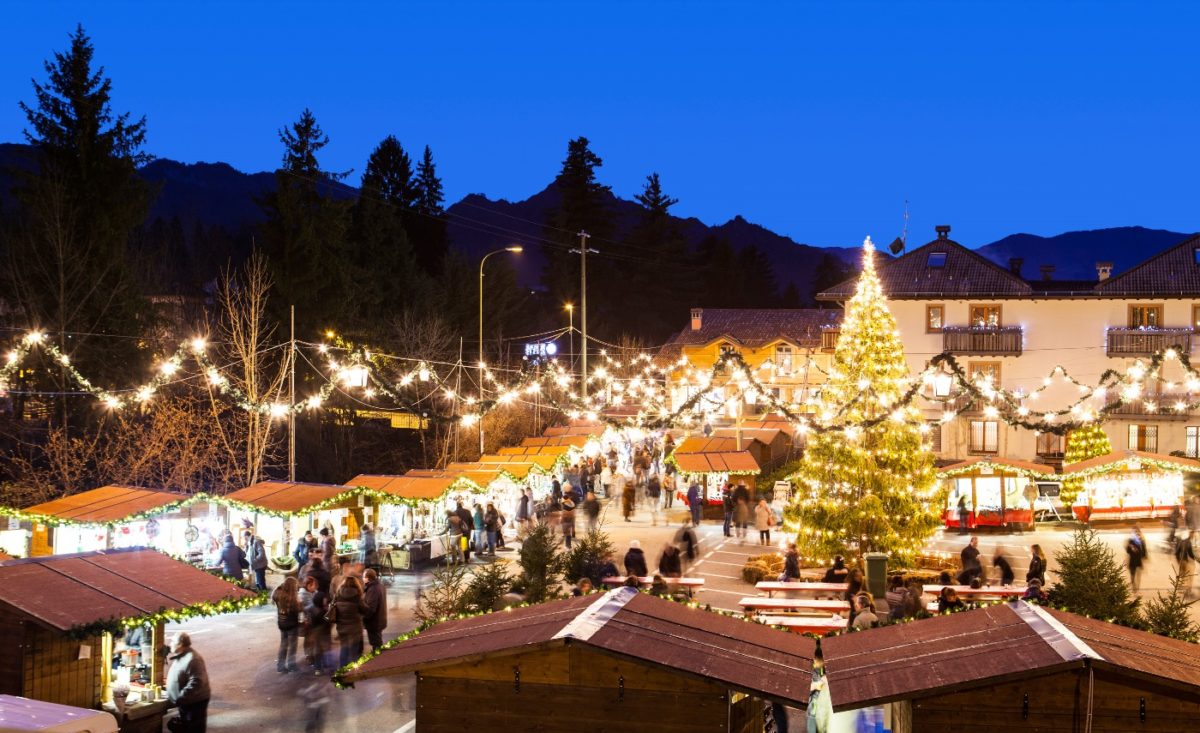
815, 120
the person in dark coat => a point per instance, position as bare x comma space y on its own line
187, 685
1135, 548
1037, 565
838, 572
256, 555
791, 563
971, 568
375, 619
468, 526
300, 554
670, 565
318, 571
232, 559
314, 602
567, 518
347, 610
606, 569
1006, 572
328, 549
695, 503
635, 560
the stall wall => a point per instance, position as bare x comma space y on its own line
53, 672
12, 655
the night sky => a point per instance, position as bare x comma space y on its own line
815, 120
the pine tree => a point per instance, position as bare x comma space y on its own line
1170, 614
655, 305
80, 200
1091, 582
867, 489
304, 236
427, 227
541, 564
1084, 443
582, 206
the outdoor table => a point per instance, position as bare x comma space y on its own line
755, 604
811, 589
966, 592
806, 624
690, 584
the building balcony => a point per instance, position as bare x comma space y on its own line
1147, 341
1154, 407
983, 340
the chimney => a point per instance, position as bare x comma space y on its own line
943, 231
697, 318
1047, 272
1014, 265
1103, 270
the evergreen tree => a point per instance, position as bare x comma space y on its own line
304, 236
1083, 443
427, 228
541, 564
1170, 614
657, 286
1091, 582
830, 271
80, 200
719, 283
867, 489
582, 206
757, 285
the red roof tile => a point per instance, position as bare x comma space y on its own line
1174, 272
106, 504
282, 496
757, 327
405, 487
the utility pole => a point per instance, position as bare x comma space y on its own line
583, 252
292, 395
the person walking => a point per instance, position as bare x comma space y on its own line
368, 552
791, 564
964, 514
328, 549
317, 634
695, 502
187, 685
491, 527
971, 567
233, 559
568, 521
654, 497
606, 480
478, 530
346, 613
591, 510
669, 486
454, 530
1006, 572
1135, 550
468, 525
1037, 565
257, 556
303, 546
627, 497
1185, 555
741, 518
635, 560
287, 617
375, 619
728, 505
523, 513
764, 519
670, 565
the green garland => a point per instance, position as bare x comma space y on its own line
167, 615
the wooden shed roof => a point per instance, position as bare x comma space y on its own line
284, 496
576, 428
1183, 464
991, 645
571, 441
1025, 468
106, 504
742, 655
763, 435
732, 462
65, 592
405, 487
553, 451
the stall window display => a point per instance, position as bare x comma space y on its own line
996, 500
1129, 495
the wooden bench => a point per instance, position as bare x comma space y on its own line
808, 589
691, 585
986, 593
806, 624
753, 604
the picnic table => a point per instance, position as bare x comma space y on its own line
806, 624
691, 585
752, 604
808, 589
966, 592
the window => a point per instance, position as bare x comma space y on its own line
1191, 441
829, 339
727, 349
935, 318
933, 438
1196, 317
1050, 445
977, 370
985, 316
1144, 438
1145, 316
936, 259
1196, 254
985, 436
783, 359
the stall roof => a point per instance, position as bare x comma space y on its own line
284, 496
64, 592
1015, 464
732, 462
107, 504
594, 430
405, 487
477, 476
763, 435
742, 655
517, 470
1181, 464
543, 462
991, 645
554, 451
571, 441
701, 444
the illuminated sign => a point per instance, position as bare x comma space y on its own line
541, 349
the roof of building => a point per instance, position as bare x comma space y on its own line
571, 441
762, 435
742, 655
1173, 272
1003, 463
284, 496
541, 462
1125, 456
733, 462
756, 327
106, 504
713, 444
554, 451
405, 487
576, 428
64, 592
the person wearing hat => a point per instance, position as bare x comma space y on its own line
1034, 591
187, 685
568, 520
635, 560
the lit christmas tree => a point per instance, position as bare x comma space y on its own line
1082, 444
866, 489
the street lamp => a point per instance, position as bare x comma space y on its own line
515, 249
571, 330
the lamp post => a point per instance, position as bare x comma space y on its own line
571, 331
515, 249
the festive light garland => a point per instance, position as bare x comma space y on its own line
115, 625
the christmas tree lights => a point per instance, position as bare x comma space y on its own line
1086, 442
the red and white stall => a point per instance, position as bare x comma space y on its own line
1129, 485
996, 492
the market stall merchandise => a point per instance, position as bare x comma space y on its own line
74, 653
411, 513
713, 462
1130, 485
996, 492
279, 511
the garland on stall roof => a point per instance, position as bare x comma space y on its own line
170, 615
974, 467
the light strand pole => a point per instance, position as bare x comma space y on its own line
292, 395
515, 249
583, 253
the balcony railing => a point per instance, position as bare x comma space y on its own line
983, 340
1155, 407
1147, 341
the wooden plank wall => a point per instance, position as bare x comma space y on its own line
53, 671
1057, 704
567, 690
12, 631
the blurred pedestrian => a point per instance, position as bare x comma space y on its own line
727, 504
764, 519
367, 549
287, 617
1037, 565
695, 502
187, 685
328, 549
741, 516
233, 559
317, 633
1185, 555
346, 614
627, 497
1006, 572
654, 497
478, 530
523, 507
971, 567
791, 564
635, 560
1135, 550
591, 510
491, 526
568, 521
375, 619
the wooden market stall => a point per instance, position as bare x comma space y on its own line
109, 517
621, 659
414, 519
281, 511
713, 462
998, 492
1011, 667
1129, 485
771, 447
61, 618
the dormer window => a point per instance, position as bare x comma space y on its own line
1196, 255
937, 259
727, 349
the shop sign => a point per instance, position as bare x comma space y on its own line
541, 349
